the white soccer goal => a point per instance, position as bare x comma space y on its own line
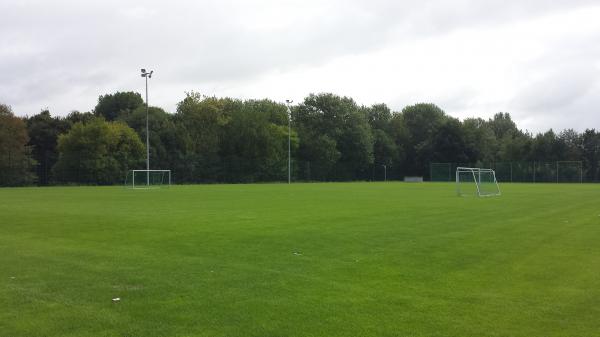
476, 181
139, 179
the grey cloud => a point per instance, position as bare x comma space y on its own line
567, 89
64, 54
556, 91
565, 100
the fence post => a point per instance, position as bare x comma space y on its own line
430, 172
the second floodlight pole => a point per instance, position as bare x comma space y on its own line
289, 140
147, 75
147, 140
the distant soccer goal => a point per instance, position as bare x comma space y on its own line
476, 181
139, 179
569, 172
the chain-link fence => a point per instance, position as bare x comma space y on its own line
519, 171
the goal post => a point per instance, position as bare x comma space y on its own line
143, 179
476, 181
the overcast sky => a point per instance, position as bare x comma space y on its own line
538, 60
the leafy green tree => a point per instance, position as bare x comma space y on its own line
336, 120
502, 125
448, 143
545, 147
514, 148
591, 154
355, 144
43, 132
110, 106
318, 154
572, 144
16, 162
480, 141
79, 117
385, 149
385, 153
379, 116
400, 135
200, 121
422, 122
255, 141
213, 139
167, 148
98, 152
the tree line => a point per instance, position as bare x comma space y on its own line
210, 139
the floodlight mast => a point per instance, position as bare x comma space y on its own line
147, 75
289, 112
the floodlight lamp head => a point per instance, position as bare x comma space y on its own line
289, 101
143, 70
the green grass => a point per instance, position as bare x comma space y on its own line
361, 259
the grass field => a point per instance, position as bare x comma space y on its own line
348, 259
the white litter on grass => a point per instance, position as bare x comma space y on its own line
297, 253
116, 299
12, 277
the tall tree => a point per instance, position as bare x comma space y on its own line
401, 137
502, 124
43, 135
422, 122
517, 147
571, 145
110, 106
79, 117
200, 121
339, 121
16, 162
480, 140
379, 116
255, 142
385, 150
546, 147
448, 143
98, 152
164, 145
591, 154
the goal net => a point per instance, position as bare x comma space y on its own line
476, 181
148, 179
